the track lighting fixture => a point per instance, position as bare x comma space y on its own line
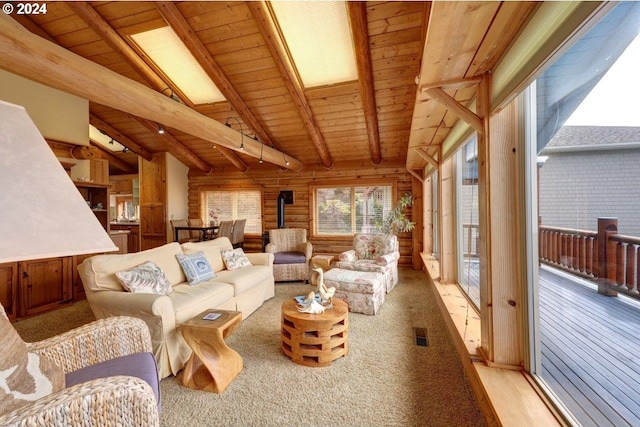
171, 94
227, 124
111, 142
286, 162
160, 129
261, 149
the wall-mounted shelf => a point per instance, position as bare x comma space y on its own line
96, 194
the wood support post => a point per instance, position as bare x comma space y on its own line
607, 264
417, 216
499, 230
447, 220
427, 191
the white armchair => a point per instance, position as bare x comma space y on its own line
374, 253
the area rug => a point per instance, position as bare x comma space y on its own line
385, 380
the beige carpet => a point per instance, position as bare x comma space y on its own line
385, 380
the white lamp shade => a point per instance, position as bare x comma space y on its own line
42, 213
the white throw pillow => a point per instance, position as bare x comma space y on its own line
146, 278
235, 259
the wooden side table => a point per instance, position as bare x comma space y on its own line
212, 365
315, 339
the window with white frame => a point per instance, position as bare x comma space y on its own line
348, 209
225, 205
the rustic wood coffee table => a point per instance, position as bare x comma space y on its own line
212, 365
315, 339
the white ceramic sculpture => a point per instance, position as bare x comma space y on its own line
325, 293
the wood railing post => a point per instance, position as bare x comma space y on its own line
607, 255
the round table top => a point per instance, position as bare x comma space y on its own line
339, 310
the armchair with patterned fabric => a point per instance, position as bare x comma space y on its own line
292, 253
102, 374
377, 252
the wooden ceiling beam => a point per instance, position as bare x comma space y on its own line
360, 32
179, 146
111, 36
280, 55
105, 127
177, 21
102, 28
30, 56
113, 159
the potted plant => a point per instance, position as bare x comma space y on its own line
396, 221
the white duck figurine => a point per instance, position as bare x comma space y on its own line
325, 293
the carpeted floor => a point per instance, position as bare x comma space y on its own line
385, 380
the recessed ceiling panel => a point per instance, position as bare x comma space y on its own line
168, 52
318, 37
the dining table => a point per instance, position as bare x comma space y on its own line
206, 232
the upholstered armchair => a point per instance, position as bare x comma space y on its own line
292, 253
92, 375
373, 252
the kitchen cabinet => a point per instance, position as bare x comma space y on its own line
97, 197
9, 288
44, 284
133, 238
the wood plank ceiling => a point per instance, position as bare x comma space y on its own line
379, 118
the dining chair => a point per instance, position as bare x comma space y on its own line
225, 229
195, 222
183, 235
237, 239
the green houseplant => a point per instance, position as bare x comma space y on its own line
396, 221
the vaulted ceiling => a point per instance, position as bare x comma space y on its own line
384, 116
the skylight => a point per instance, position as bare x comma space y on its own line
168, 52
104, 140
318, 36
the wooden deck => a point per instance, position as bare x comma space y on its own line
590, 347
590, 350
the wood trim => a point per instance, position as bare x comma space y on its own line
506, 397
415, 175
433, 162
264, 21
452, 84
360, 31
458, 109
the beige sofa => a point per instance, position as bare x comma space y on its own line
243, 290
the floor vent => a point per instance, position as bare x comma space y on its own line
422, 339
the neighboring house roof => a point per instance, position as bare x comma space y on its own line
587, 138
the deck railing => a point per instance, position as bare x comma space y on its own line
470, 240
609, 258
569, 249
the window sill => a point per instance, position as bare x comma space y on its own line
506, 397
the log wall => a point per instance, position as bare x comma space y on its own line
273, 180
